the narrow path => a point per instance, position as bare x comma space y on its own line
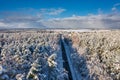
66, 60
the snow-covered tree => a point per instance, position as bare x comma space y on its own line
36, 71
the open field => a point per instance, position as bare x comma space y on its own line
60, 55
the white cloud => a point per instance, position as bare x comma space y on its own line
21, 25
2, 24
21, 22
56, 11
115, 7
91, 21
52, 11
26, 20
12, 25
117, 4
104, 21
38, 21
100, 11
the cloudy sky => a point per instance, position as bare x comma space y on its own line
80, 14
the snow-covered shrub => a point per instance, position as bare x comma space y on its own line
100, 50
3, 75
18, 50
20, 77
51, 60
35, 72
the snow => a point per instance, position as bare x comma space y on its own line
76, 30
67, 51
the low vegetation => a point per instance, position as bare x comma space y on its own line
96, 55
30, 56
37, 55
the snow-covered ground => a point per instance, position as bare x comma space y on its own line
37, 54
75, 30
30, 56
95, 55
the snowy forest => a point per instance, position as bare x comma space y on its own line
60, 55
